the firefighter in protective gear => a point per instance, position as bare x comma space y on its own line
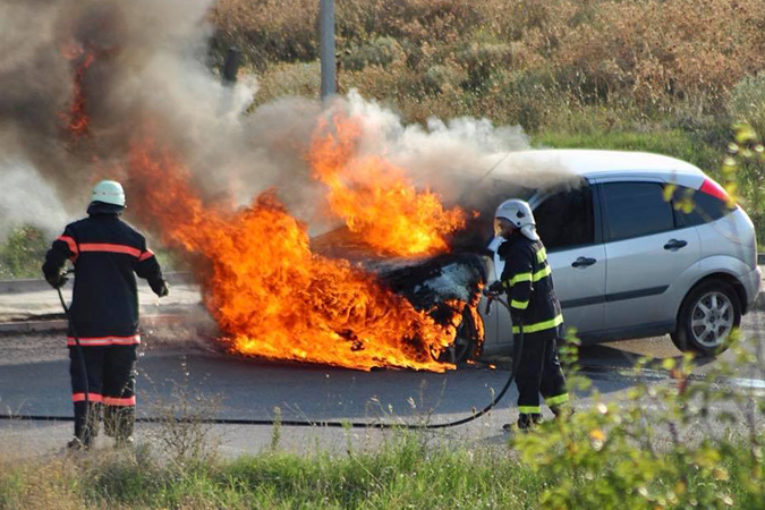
107, 253
527, 280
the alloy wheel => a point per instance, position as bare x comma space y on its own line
712, 319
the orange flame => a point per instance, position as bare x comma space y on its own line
268, 292
374, 197
77, 119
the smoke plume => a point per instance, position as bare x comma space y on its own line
81, 79
27, 200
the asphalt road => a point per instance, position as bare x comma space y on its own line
183, 374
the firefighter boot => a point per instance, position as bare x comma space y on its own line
86, 417
124, 426
75, 445
525, 422
562, 412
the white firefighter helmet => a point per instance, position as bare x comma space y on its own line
519, 214
109, 192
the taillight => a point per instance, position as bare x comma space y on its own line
710, 187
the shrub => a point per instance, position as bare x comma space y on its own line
23, 254
747, 101
743, 174
297, 79
381, 52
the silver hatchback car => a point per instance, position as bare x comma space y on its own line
640, 245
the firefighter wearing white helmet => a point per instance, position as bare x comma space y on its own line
519, 214
108, 192
535, 311
107, 254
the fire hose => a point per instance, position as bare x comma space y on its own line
294, 423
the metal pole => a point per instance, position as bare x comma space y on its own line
231, 65
327, 47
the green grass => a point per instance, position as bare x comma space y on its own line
671, 142
402, 474
405, 473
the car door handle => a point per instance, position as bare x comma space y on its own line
675, 244
583, 262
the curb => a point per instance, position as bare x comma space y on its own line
58, 325
39, 285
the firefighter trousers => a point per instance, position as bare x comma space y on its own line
111, 374
539, 371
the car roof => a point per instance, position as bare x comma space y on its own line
595, 164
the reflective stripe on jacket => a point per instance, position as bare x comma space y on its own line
527, 278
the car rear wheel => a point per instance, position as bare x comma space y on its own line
708, 316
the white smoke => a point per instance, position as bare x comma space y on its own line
445, 156
27, 200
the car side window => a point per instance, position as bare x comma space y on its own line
635, 209
695, 207
565, 219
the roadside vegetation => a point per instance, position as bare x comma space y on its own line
666, 77
22, 254
562, 66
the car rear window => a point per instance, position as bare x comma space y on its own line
693, 207
635, 209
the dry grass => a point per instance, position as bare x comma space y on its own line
507, 59
668, 77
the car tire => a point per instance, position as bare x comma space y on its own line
709, 314
465, 341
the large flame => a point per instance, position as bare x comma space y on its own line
271, 296
268, 292
374, 197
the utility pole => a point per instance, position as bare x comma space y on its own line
327, 47
230, 66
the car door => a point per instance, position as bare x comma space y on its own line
569, 225
645, 253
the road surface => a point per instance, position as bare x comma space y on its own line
182, 371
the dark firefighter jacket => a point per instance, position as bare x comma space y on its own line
107, 253
527, 278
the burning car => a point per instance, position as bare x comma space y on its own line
446, 286
640, 245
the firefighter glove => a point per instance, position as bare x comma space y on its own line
494, 289
57, 280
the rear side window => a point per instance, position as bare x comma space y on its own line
695, 207
635, 209
565, 219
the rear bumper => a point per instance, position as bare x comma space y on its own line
752, 282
